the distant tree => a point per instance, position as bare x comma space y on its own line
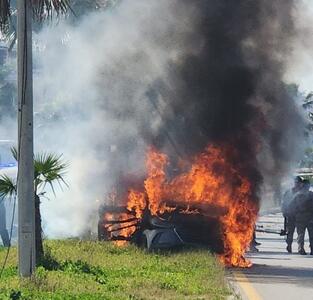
44, 9
308, 106
49, 169
306, 102
81, 7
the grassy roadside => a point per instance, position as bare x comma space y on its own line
93, 270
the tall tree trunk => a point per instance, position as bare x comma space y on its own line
38, 231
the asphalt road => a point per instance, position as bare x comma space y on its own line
275, 274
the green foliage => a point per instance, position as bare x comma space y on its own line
48, 261
15, 295
41, 9
4, 13
306, 101
82, 7
48, 168
7, 186
74, 10
77, 269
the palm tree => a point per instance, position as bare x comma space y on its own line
26, 9
44, 8
41, 9
48, 170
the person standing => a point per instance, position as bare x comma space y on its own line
302, 205
288, 211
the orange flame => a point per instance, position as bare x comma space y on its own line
125, 229
212, 185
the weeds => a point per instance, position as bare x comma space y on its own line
86, 270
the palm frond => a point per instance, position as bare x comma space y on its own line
14, 153
49, 168
7, 186
42, 9
4, 14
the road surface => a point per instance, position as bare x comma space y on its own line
275, 274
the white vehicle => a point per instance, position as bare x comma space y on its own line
8, 164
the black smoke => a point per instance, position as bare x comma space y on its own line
229, 89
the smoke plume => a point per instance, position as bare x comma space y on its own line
175, 74
230, 89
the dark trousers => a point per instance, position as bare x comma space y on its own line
290, 228
301, 227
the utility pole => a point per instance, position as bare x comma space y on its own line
25, 184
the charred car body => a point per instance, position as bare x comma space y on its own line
166, 231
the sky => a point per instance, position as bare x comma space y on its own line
300, 63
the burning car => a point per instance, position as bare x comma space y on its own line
168, 231
208, 203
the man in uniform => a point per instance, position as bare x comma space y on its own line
288, 212
302, 205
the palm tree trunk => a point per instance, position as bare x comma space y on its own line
38, 231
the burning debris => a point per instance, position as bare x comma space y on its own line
210, 199
219, 121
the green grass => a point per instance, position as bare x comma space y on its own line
94, 270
